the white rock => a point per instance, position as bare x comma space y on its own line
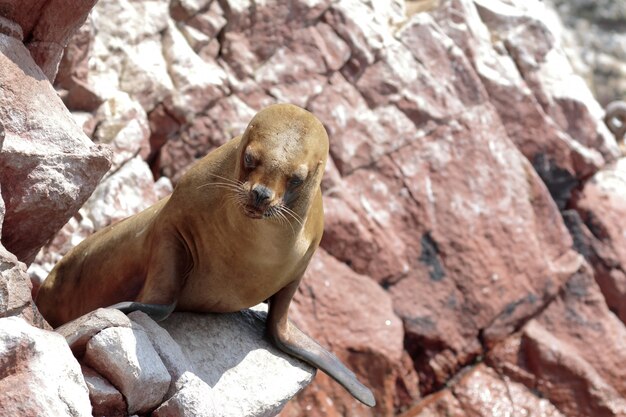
39, 375
196, 82
78, 332
123, 124
128, 360
194, 398
170, 352
249, 376
105, 399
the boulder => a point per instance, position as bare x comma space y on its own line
39, 375
15, 291
48, 167
193, 398
169, 351
247, 375
80, 331
46, 26
126, 357
105, 399
214, 365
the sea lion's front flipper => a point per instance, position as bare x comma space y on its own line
288, 338
159, 294
157, 312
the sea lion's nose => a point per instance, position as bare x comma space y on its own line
260, 194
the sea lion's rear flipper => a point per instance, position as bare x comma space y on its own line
157, 312
300, 345
288, 338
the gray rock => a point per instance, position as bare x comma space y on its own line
194, 398
78, 332
105, 399
127, 359
248, 375
170, 352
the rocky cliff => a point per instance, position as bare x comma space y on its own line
473, 256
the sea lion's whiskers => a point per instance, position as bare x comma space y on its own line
292, 214
234, 181
225, 184
279, 214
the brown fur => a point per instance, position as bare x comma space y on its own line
203, 250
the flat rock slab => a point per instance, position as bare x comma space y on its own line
248, 375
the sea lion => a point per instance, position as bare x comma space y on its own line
240, 228
615, 119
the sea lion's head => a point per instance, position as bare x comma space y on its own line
281, 160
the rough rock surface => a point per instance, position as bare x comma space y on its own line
126, 357
46, 26
214, 365
48, 167
169, 351
578, 340
15, 290
105, 399
230, 354
193, 398
38, 374
598, 224
329, 307
78, 332
481, 392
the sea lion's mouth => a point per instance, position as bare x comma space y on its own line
253, 212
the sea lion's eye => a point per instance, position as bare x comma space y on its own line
295, 181
248, 160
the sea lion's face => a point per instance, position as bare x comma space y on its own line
280, 167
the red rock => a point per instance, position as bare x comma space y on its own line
47, 25
227, 119
359, 135
599, 227
571, 353
452, 226
481, 392
441, 404
329, 306
73, 72
15, 291
530, 107
48, 167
